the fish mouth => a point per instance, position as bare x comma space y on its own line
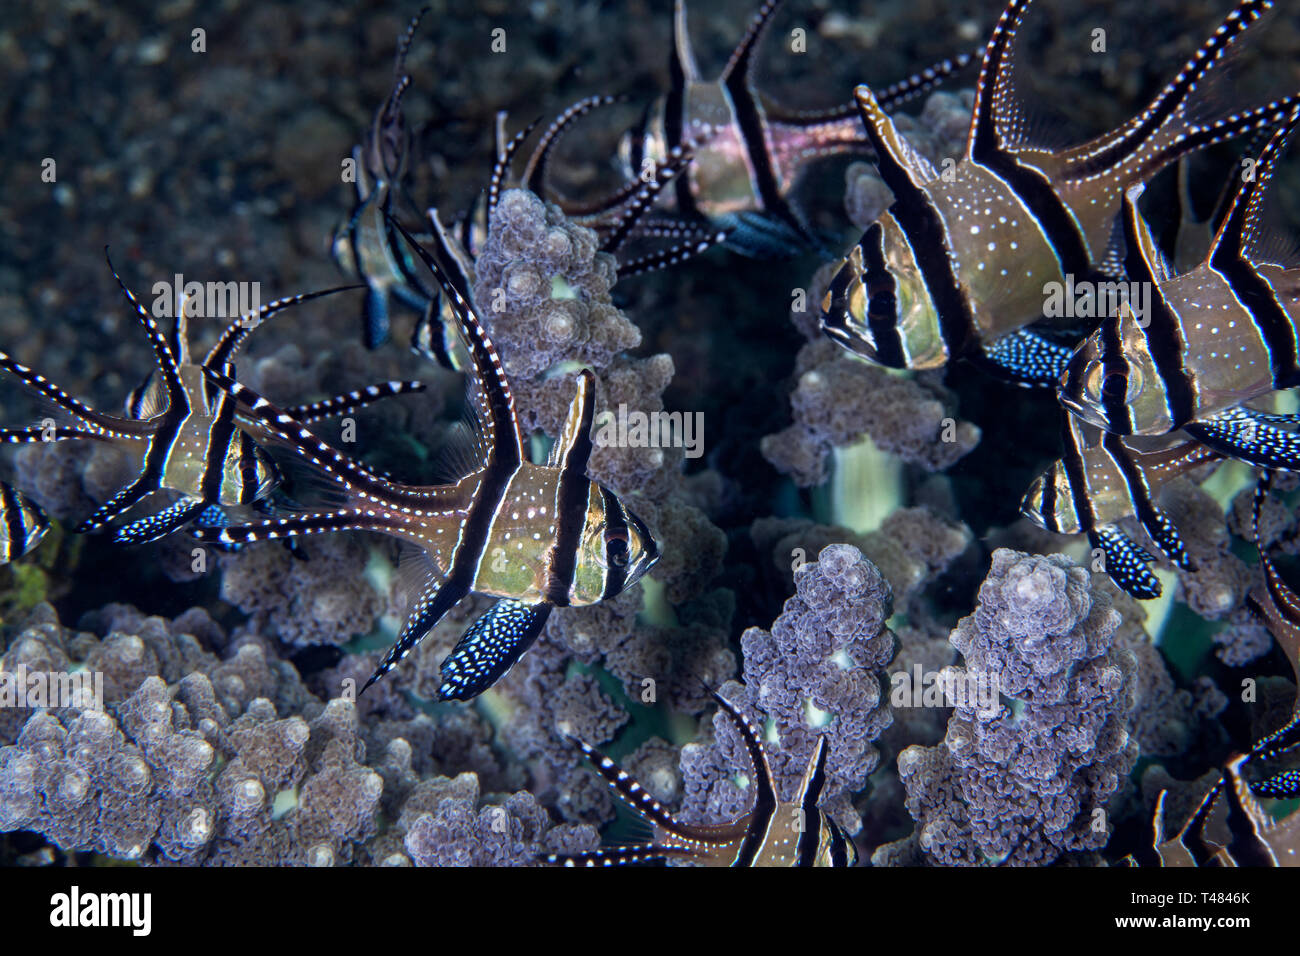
1077, 407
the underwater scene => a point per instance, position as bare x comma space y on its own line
593, 433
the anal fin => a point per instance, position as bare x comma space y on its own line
426, 614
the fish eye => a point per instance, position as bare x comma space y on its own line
616, 550
1113, 383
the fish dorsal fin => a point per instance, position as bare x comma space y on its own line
682, 65
388, 136
180, 337
494, 402
233, 336
572, 449
173, 387
534, 176
764, 783
903, 169
995, 104
274, 424
740, 67
1195, 99
814, 778
433, 337
1150, 264
1191, 840
1243, 228
1243, 219
455, 258
505, 154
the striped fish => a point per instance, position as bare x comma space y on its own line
1218, 335
754, 152
192, 437
1101, 480
1249, 835
773, 833
535, 536
1230, 827
615, 219
965, 257
364, 246
22, 523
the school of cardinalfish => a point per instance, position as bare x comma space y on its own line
955, 270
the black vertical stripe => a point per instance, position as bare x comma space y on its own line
882, 299
752, 126
839, 846
924, 229
675, 129
15, 527
158, 455
1036, 192
505, 455
810, 838
615, 576
1047, 510
248, 461
1077, 477
1115, 373
218, 447
1165, 346
1139, 493
1031, 186
1270, 319
1161, 332
570, 520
